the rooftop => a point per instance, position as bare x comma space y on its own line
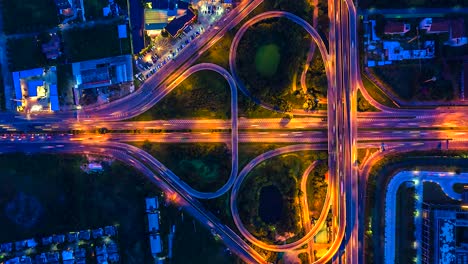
396, 27
180, 23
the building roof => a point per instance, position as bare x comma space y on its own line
155, 242
180, 23
67, 255
31, 73
395, 27
151, 204
439, 25
155, 19
458, 28
153, 222
122, 31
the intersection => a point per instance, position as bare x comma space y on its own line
339, 129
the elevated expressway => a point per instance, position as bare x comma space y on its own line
341, 64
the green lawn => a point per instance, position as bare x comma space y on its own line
25, 53
89, 43
363, 105
317, 189
411, 81
93, 8
376, 92
205, 94
67, 199
284, 172
203, 166
28, 15
268, 65
267, 59
65, 83
404, 224
219, 52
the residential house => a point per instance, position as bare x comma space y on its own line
110, 230
67, 257
114, 257
455, 28
57, 239
6, 247
84, 235
42, 258
457, 33
156, 244
153, 222
72, 237
25, 260
13, 261
47, 241
435, 25
52, 257
396, 28
80, 253
97, 233
152, 204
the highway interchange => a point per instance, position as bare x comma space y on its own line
340, 130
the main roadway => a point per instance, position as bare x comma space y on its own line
342, 68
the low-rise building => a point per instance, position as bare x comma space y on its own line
67, 257
80, 253
58, 239
97, 233
394, 51
6, 247
396, 28
15, 260
156, 244
152, 204
47, 240
25, 260
36, 90
153, 222
454, 27
435, 25
457, 35
72, 237
53, 257
84, 235
110, 231
171, 17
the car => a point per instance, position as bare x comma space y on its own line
164, 62
187, 41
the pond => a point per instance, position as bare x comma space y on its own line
271, 204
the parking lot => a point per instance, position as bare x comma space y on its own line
164, 49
